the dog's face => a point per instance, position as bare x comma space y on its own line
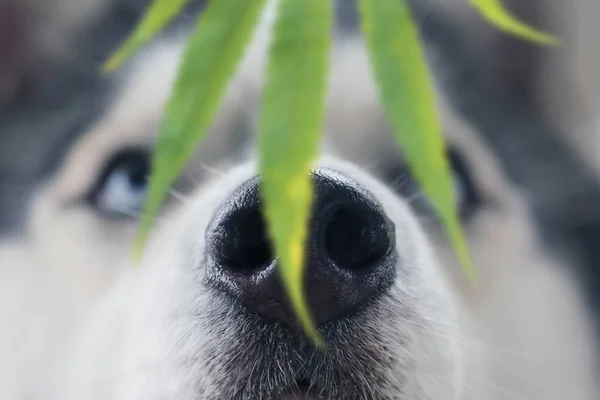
205, 316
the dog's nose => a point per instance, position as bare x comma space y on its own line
350, 257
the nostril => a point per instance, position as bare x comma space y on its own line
246, 246
355, 239
344, 237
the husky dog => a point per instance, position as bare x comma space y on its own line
205, 317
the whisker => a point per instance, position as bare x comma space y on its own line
400, 182
371, 165
179, 196
212, 170
139, 214
414, 197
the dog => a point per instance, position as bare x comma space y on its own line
205, 316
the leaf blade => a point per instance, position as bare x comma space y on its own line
495, 12
400, 69
160, 13
210, 59
290, 129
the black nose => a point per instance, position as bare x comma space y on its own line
350, 251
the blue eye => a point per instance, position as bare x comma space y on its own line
121, 188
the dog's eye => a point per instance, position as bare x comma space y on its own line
465, 193
121, 187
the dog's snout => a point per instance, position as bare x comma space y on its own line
350, 256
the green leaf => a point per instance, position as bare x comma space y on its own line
211, 57
290, 130
160, 13
494, 12
407, 94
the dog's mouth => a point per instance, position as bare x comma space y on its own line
259, 359
294, 370
270, 362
